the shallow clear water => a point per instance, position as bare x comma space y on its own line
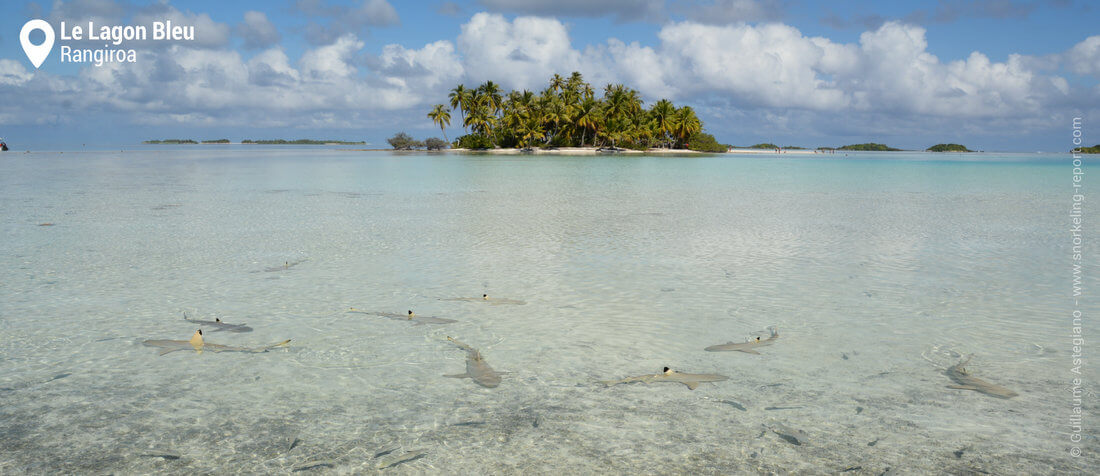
878, 270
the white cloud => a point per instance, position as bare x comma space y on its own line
12, 73
331, 61
517, 54
1084, 57
257, 31
208, 33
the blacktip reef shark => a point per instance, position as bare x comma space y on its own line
746, 347
476, 367
200, 345
286, 265
668, 375
219, 325
494, 301
410, 316
965, 381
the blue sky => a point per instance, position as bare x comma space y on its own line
992, 74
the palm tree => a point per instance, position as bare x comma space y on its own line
491, 91
528, 130
587, 116
442, 117
557, 83
663, 114
686, 123
460, 100
479, 118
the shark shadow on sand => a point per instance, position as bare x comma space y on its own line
286, 265
494, 301
692, 381
219, 325
410, 316
746, 347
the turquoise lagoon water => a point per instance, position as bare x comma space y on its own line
878, 270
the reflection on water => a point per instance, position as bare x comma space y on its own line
880, 274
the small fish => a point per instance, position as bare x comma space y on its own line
476, 367
965, 381
313, 465
495, 301
746, 347
200, 345
402, 459
692, 381
166, 456
735, 405
788, 434
781, 408
410, 316
384, 452
219, 325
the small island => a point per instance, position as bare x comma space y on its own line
870, 146
569, 115
765, 145
1088, 150
948, 148
171, 141
216, 141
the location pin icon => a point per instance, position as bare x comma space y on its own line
36, 53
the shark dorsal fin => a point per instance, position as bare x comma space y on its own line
196, 340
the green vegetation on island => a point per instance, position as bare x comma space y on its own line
170, 141
1088, 150
764, 145
403, 141
216, 141
870, 146
301, 142
948, 148
568, 114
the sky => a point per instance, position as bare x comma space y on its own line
996, 75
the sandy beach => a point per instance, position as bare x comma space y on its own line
572, 151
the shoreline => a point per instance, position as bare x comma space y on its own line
554, 151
